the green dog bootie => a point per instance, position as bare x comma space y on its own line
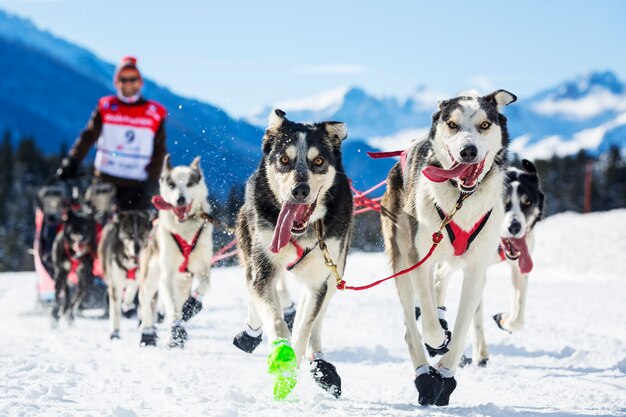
281, 364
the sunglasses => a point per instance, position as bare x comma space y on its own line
128, 79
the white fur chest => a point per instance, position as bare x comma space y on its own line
171, 254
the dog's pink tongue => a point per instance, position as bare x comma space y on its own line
525, 261
160, 203
437, 174
282, 232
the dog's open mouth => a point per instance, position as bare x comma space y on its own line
516, 249
292, 220
467, 174
181, 212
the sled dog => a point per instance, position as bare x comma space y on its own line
457, 171
121, 242
298, 199
179, 249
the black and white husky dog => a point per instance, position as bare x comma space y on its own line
179, 250
73, 246
462, 162
299, 190
121, 242
523, 204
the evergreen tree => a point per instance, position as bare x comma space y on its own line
6, 162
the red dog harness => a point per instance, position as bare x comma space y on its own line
462, 239
300, 254
186, 247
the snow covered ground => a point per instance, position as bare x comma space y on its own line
570, 360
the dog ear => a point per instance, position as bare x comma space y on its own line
337, 131
529, 166
276, 119
500, 98
442, 103
167, 163
195, 164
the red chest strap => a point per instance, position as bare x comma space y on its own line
186, 247
462, 239
300, 254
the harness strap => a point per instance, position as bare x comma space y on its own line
186, 247
462, 239
380, 155
300, 254
501, 253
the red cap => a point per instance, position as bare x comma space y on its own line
126, 62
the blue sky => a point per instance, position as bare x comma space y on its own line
245, 54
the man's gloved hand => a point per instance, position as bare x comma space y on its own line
67, 170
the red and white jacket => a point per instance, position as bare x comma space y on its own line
130, 139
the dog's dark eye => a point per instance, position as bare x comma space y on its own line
452, 125
171, 184
318, 162
284, 159
485, 125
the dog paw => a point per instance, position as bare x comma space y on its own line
443, 348
447, 387
130, 312
179, 336
160, 317
149, 338
326, 376
499, 319
465, 361
289, 315
115, 335
246, 342
483, 362
282, 365
191, 307
429, 385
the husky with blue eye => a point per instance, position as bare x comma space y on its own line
461, 165
298, 197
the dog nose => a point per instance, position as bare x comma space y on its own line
181, 200
515, 227
469, 153
301, 191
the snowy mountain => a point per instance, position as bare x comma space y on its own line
588, 112
49, 88
365, 114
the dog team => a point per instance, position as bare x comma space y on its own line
296, 221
